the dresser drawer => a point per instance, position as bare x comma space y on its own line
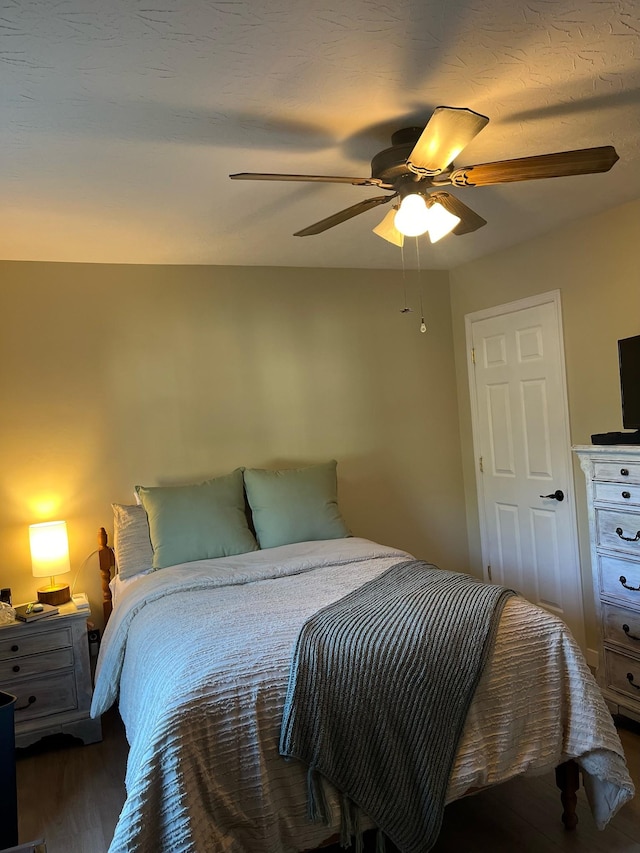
618, 529
19, 667
32, 642
618, 493
620, 578
44, 695
622, 626
623, 673
619, 472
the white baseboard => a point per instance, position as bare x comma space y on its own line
592, 658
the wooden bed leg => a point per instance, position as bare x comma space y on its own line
568, 780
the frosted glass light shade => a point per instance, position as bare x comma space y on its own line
49, 549
413, 216
441, 222
388, 231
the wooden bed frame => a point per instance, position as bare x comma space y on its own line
567, 774
107, 563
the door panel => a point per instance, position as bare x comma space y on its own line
547, 565
500, 432
535, 420
508, 560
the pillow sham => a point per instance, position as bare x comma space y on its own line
295, 504
131, 540
198, 521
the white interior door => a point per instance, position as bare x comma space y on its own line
523, 454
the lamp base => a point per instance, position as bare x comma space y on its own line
58, 594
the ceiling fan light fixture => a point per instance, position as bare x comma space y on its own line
388, 231
413, 217
441, 221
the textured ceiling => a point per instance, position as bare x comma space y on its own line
120, 121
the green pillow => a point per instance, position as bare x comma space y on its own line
197, 522
295, 505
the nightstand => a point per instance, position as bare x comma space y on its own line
45, 664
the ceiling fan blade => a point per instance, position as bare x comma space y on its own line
584, 161
331, 179
448, 131
469, 219
343, 215
388, 231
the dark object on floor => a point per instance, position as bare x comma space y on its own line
8, 792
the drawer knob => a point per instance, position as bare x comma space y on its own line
635, 538
626, 629
630, 680
30, 701
624, 472
623, 581
15, 648
16, 668
626, 495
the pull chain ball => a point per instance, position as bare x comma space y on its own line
423, 326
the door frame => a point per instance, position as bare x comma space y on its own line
552, 296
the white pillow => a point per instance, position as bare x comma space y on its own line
131, 540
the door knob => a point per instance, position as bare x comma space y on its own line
556, 496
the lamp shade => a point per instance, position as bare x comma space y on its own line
49, 549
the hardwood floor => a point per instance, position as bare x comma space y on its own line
72, 795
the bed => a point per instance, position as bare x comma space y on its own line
197, 656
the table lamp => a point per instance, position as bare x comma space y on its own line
50, 557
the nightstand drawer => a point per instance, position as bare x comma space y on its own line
620, 578
39, 697
33, 642
619, 472
20, 667
622, 626
619, 493
623, 673
619, 530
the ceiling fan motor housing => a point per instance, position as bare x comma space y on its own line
390, 165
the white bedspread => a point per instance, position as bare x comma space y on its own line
199, 654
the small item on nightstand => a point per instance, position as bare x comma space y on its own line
7, 613
80, 600
34, 610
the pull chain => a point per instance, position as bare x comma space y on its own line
406, 309
423, 325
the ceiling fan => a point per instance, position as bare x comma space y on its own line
419, 164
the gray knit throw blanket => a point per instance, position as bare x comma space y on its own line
379, 689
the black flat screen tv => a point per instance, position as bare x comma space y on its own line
629, 357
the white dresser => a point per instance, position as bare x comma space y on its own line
613, 495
